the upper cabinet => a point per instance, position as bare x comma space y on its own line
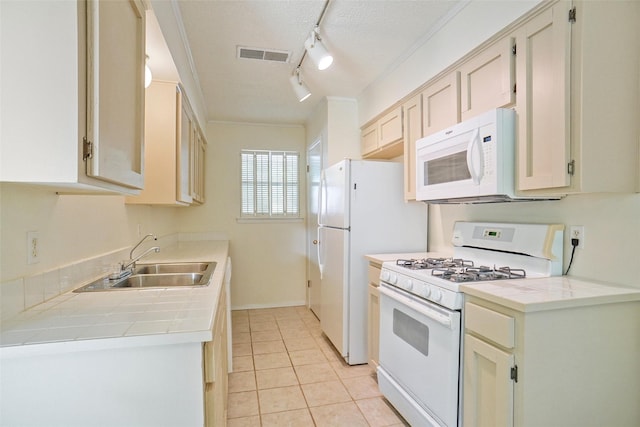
572, 78
543, 71
77, 123
412, 114
441, 103
382, 139
174, 149
487, 79
578, 98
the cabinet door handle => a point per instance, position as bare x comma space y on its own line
315, 242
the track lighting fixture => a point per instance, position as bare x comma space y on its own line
317, 51
300, 89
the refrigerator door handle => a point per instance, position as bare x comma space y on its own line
319, 249
321, 197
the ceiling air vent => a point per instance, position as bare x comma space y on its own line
263, 54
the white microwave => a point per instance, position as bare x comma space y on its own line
470, 162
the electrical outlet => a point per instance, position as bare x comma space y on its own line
33, 247
577, 232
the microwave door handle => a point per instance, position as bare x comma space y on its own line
474, 144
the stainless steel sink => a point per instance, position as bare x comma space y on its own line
179, 267
160, 275
161, 280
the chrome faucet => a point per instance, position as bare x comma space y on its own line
140, 242
126, 267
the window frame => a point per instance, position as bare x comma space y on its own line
274, 211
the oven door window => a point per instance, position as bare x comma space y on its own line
411, 331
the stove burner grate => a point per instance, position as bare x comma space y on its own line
477, 274
427, 263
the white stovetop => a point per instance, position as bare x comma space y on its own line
94, 320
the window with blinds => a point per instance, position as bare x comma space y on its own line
270, 184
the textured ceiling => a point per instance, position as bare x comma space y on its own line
366, 37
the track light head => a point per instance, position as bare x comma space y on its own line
300, 89
317, 51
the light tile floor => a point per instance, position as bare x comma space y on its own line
286, 373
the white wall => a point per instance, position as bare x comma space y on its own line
268, 257
335, 121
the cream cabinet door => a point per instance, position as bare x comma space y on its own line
543, 100
184, 150
488, 387
369, 139
390, 128
412, 116
487, 79
115, 91
441, 104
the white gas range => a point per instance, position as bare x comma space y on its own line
421, 311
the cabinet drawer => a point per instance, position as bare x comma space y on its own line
495, 326
373, 273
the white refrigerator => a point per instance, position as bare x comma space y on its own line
361, 211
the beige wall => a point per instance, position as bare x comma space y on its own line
611, 221
268, 257
71, 227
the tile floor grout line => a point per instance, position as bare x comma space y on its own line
308, 324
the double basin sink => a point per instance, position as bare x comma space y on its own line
160, 275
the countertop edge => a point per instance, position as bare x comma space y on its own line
608, 294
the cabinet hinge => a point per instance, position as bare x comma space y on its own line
572, 15
571, 167
308, 168
514, 373
308, 283
515, 88
87, 149
514, 49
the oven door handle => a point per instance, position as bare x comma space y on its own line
423, 309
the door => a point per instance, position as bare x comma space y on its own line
416, 333
543, 100
334, 196
334, 270
488, 387
412, 116
487, 79
314, 168
115, 91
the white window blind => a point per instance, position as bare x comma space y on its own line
270, 184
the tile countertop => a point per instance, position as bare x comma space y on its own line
550, 293
116, 319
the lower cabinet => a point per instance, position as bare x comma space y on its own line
373, 313
574, 366
215, 369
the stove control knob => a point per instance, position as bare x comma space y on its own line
393, 279
384, 276
426, 291
436, 295
409, 285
